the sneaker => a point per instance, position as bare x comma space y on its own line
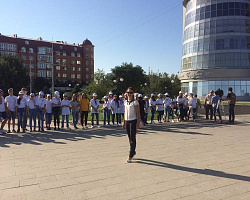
98, 126
129, 160
86, 127
8, 131
152, 122
14, 131
172, 121
42, 129
39, 130
92, 127
30, 130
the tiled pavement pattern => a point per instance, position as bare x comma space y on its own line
188, 161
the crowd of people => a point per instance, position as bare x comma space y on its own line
40, 108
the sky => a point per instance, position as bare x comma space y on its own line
144, 32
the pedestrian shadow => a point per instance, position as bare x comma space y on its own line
208, 172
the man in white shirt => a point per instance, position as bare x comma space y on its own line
3, 107
159, 107
192, 106
94, 104
41, 108
11, 111
25, 96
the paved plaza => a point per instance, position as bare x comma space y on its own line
188, 161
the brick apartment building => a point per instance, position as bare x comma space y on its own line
72, 62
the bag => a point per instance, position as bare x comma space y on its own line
232, 99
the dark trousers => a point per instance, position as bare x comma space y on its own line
131, 131
84, 114
56, 113
214, 112
153, 114
96, 115
120, 117
181, 112
209, 109
113, 118
142, 113
231, 112
159, 115
21, 118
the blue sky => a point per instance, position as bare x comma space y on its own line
145, 32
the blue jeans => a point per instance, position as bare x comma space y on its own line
21, 112
97, 118
194, 113
231, 112
32, 118
40, 118
75, 116
214, 112
120, 117
106, 116
48, 118
167, 112
153, 114
67, 120
181, 114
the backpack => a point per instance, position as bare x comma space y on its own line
232, 99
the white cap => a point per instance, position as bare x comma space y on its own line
32, 94
166, 94
159, 94
140, 95
94, 95
48, 95
146, 97
180, 92
152, 95
120, 96
110, 92
20, 92
105, 97
65, 95
41, 93
57, 93
186, 93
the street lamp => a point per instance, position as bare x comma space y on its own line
69, 85
145, 84
121, 80
114, 81
172, 83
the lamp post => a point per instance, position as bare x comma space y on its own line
172, 83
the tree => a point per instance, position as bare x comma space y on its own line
40, 83
76, 89
13, 73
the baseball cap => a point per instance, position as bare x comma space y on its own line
120, 96
32, 94
152, 95
105, 97
140, 95
146, 97
20, 92
48, 95
65, 95
159, 94
110, 92
180, 92
41, 93
57, 93
166, 94
94, 95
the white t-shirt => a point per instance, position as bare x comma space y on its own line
48, 106
41, 102
2, 106
95, 104
114, 106
11, 103
55, 101
180, 100
31, 104
27, 97
192, 102
23, 103
167, 101
130, 110
106, 104
151, 102
110, 99
159, 107
65, 110
121, 106
146, 107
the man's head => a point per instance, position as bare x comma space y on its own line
211, 92
24, 90
230, 89
1, 92
10, 91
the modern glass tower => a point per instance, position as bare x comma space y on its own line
216, 47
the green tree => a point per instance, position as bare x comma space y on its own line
76, 89
13, 73
40, 83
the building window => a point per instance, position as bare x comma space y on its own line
64, 75
87, 48
49, 50
79, 69
73, 68
61, 47
31, 58
78, 62
58, 67
27, 42
75, 49
49, 73
92, 62
31, 65
31, 73
64, 68
92, 49
23, 50
58, 53
78, 76
49, 66
41, 50
41, 73
72, 62
87, 62
87, 55
31, 50
92, 56
24, 57
58, 60
41, 65
78, 55
87, 69
87, 76
64, 53
64, 61
73, 76
58, 75
73, 54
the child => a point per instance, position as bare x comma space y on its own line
94, 103
75, 109
167, 103
106, 109
40, 105
65, 105
152, 104
32, 111
21, 111
48, 115
114, 108
120, 110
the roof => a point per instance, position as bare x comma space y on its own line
87, 42
184, 2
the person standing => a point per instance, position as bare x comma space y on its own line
3, 108
21, 111
84, 109
32, 111
208, 105
131, 121
192, 106
41, 107
159, 108
180, 102
142, 108
215, 106
75, 109
152, 104
56, 103
110, 99
11, 102
231, 98
105, 109
167, 107
146, 109
48, 115
94, 103
114, 109
65, 105
25, 96
198, 104
120, 110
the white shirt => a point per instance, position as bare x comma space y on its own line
114, 106
110, 99
180, 100
55, 101
192, 102
48, 106
152, 103
2, 106
41, 102
23, 103
121, 106
130, 111
146, 107
95, 104
159, 107
27, 97
106, 104
31, 104
65, 110
11, 103
167, 101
